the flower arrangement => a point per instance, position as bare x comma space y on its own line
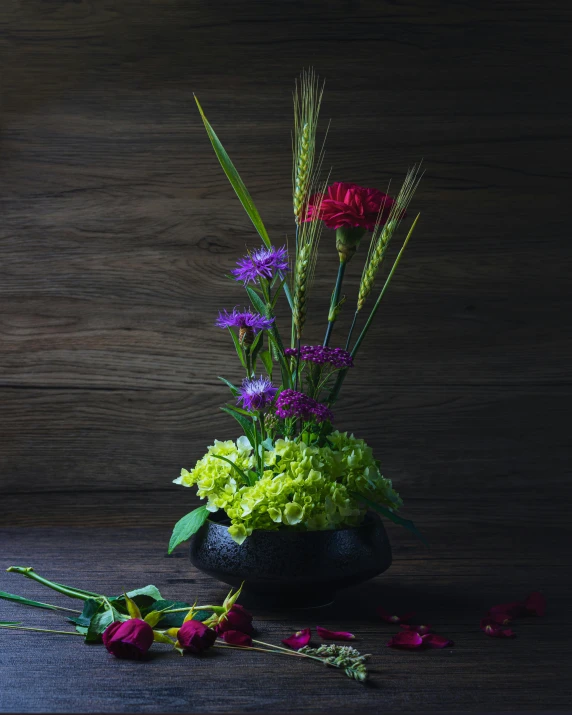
291, 468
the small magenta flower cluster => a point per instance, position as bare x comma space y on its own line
320, 355
291, 403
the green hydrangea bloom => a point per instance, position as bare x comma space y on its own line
302, 487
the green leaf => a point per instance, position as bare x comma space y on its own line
277, 294
186, 527
266, 358
235, 180
99, 622
257, 301
245, 478
243, 421
392, 516
10, 623
284, 369
231, 387
255, 349
170, 620
90, 608
143, 597
26, 601
239, 350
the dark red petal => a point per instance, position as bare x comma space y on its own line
408, 640
334, 635
432, 640
492, 629
422, 629
535, 604
514, 609
237, 638
299, 639
392, 618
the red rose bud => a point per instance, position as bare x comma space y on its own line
334, 635
236, 619
194, 637
237, 638
298, 640
128, 639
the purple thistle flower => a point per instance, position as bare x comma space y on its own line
320, 355
291, 403
262, 263
244, 320
256, 393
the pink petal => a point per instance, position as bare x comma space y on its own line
432, 640
535, 604
334, 635
393, 618
491, 628
508, 610
237, 638
408, 640
299, 639
422, 630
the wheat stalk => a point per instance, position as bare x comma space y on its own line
382, 235
304, 265
307, 100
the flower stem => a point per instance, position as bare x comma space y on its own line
43, 630
29, 572
334, 302
351, 330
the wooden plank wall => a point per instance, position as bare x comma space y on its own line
117, 228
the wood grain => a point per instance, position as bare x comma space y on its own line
117, 228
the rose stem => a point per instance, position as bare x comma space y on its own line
66, 590
44, 630
262, 650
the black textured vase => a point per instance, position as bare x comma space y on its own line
293, 568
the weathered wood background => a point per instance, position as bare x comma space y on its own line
118, 226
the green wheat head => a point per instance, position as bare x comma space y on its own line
382, 235
307, 99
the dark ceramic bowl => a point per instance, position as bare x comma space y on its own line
293, 568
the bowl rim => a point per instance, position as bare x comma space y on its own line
369, 519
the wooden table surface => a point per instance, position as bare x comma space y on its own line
117, 228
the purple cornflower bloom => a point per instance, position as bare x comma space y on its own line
256, 393
320, 355
262, 263
248, 324
291, 403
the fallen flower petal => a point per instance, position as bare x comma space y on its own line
408, 640
128, 639
383, 614
491, 628
515, 609
299, 639
432, 640
237, 638
422, 629
535, 604
334, 635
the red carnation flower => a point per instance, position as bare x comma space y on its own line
351, 206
